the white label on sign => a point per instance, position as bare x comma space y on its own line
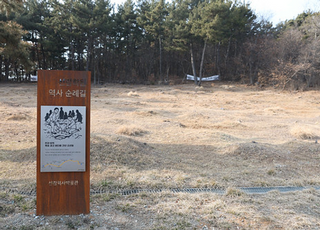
63, 139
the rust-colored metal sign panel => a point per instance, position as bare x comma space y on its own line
63, 142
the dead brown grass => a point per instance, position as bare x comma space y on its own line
305, 132
18, 117
216, 136
131, 130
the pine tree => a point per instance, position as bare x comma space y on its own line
13, 50
154, 26
180, 21
128, 36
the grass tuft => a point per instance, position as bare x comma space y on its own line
233, 192
304, 132
130, 130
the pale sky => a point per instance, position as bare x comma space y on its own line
281, 10
275, 10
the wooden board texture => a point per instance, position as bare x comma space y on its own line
63, 193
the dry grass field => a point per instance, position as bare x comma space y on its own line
161, 137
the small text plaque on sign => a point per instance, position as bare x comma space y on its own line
63, 139
63, 142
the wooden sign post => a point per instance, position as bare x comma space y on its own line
63, 142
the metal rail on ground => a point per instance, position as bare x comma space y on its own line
246, 190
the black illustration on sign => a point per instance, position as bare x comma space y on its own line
60, 124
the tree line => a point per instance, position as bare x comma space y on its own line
151, 41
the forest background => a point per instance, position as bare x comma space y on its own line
154, 41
